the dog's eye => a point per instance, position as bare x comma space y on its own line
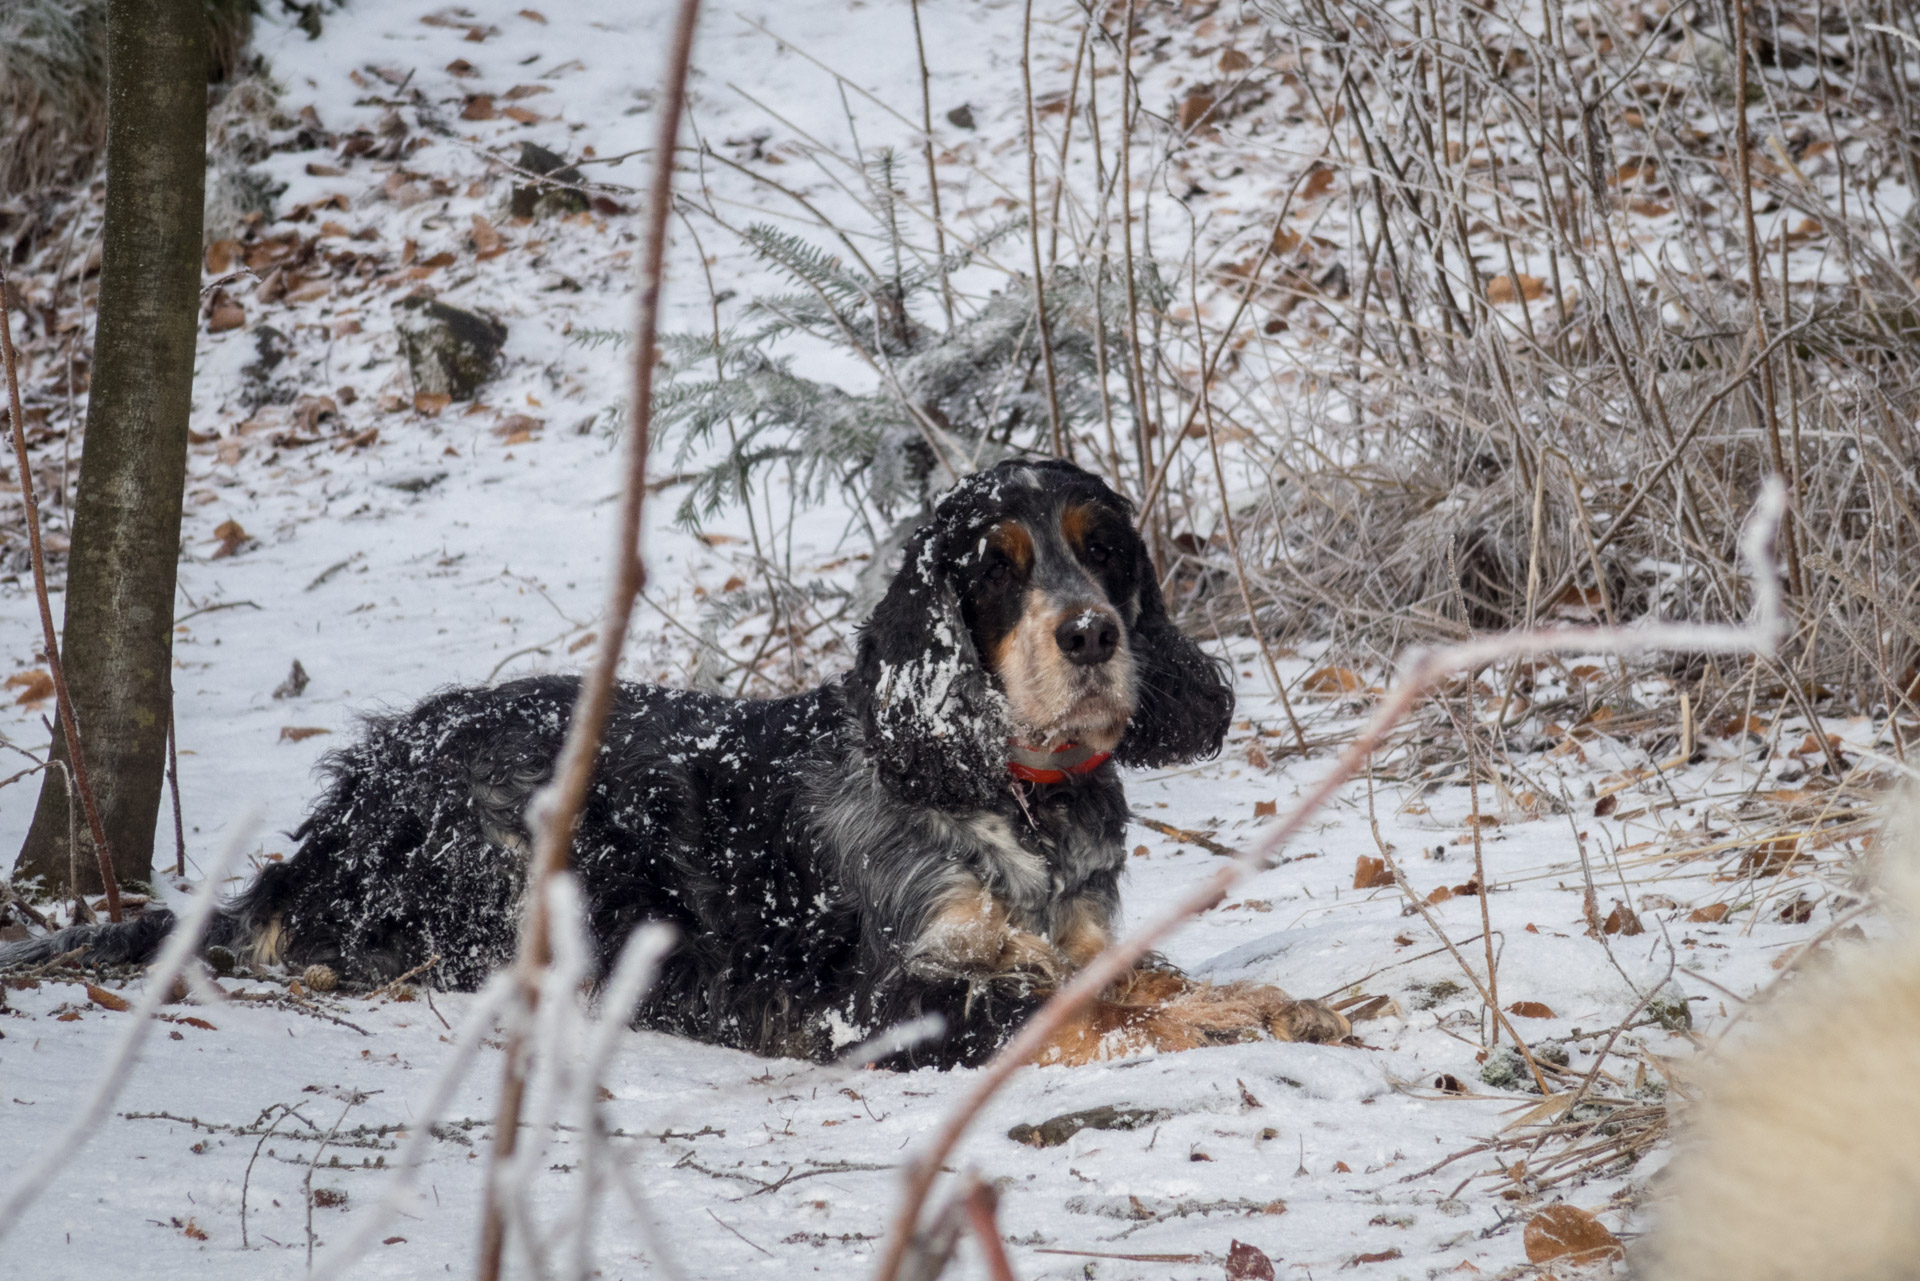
999, 571
1098, 554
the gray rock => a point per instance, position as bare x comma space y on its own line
451, 351
540, 200
1505, 1070
1670, 1010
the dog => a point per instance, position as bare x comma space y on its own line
939, 831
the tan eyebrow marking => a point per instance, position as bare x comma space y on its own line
1011, 538
1077, 522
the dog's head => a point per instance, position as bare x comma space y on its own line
1026, 618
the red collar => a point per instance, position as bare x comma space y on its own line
1053, 765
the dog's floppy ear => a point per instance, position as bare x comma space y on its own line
1182, 702
932, 721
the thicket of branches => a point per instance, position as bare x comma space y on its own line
1521, 341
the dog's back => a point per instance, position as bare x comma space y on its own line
1803, 1160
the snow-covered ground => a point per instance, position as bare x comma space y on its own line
472, 544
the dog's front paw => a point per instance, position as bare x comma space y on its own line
1029, 961
1309, 1021
1017, 962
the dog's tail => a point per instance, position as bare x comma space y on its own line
133, 942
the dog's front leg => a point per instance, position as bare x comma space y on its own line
968, 934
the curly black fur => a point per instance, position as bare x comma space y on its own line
798, 845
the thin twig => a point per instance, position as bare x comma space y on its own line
933, 174
69, 724
1061, 448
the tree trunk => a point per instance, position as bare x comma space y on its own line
117, 640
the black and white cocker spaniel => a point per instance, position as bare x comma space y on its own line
940, 830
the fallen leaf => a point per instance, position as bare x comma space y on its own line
431, 403
523, 115
1570, 1233
1341, 1167
479, 107
1381, 1256
1370, 873
226, 315
1440, 895
202, 1024
309, 410
1248, 1263
1622, 920
1333, 680
393, 1241
1798, 912
1711, 914
487, 242
107, 1000
295, 733
71, 1016
194, 1231
1502, 289
518, 92
33, 686
534, 15
517, 429
231, 538
1196, 107
220, 256
1530, 1010
1317, 184
1770, 858
1606, 805
317, 170
461, 67
1448, 1083
1265, 809
1140, 851
1234, 60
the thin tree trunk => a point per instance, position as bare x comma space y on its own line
117, 639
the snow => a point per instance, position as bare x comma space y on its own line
756, 1167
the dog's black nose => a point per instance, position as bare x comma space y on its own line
1088, 638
